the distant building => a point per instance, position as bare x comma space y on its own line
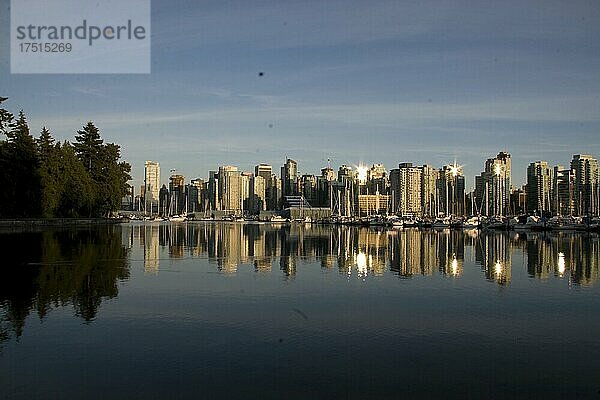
518, 200
163, 201
246, 190
151, 186
377, 179
562, 191
289, 177
585, 184
451, 190
492, 187
213, 192
324, 189
429, 197
372, 204
346, 174
194, 195
538, 187
176, 194
258, 201
230, 189
308, 188
405, 189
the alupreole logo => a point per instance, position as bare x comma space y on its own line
80, 36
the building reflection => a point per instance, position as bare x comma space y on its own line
493, 254
367, 252
563, 255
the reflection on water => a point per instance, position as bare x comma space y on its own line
221, 306
56, 268
367, 252
81, 268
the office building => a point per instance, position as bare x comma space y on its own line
539, 184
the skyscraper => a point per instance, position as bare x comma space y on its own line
246, 190
539, 184
562, 191
230, 196
257, 194
429, 177
492, 187
405, 188
324, 189
377, 179
264, 170
585, 184
289, 177
451, 190
271, 192
151, 186
176, 194
308, 186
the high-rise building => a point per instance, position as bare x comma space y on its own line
585, 184
246, 190
263, 170
346, 174
308, 186
492, 187
377, 179
271, 192
562, 191
328, 173
539, 184
289, 177
230, 196
405, 189
257, 194
451, 190
324, 189
518, 200
151, 186
163, 201
176, 194
194, 194
213, 191
429, 177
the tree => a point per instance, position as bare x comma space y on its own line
44, 178
6, 118
50, 174
20, 163
76, 185
109, 176
88, 146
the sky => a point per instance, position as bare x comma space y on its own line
351, 81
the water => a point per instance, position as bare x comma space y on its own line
258, 311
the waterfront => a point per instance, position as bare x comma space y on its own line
231, 310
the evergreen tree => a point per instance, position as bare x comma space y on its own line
77, 187
21, 184
44, 178
101, 161
50, 174
88, 146
6, 125
6, 119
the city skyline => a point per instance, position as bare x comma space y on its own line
350, 81
409, 190
470, 181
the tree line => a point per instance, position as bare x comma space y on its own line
42, 177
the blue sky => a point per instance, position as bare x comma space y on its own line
354, 81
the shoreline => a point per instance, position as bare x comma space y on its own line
42, 222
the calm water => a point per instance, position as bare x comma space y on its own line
256, 311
